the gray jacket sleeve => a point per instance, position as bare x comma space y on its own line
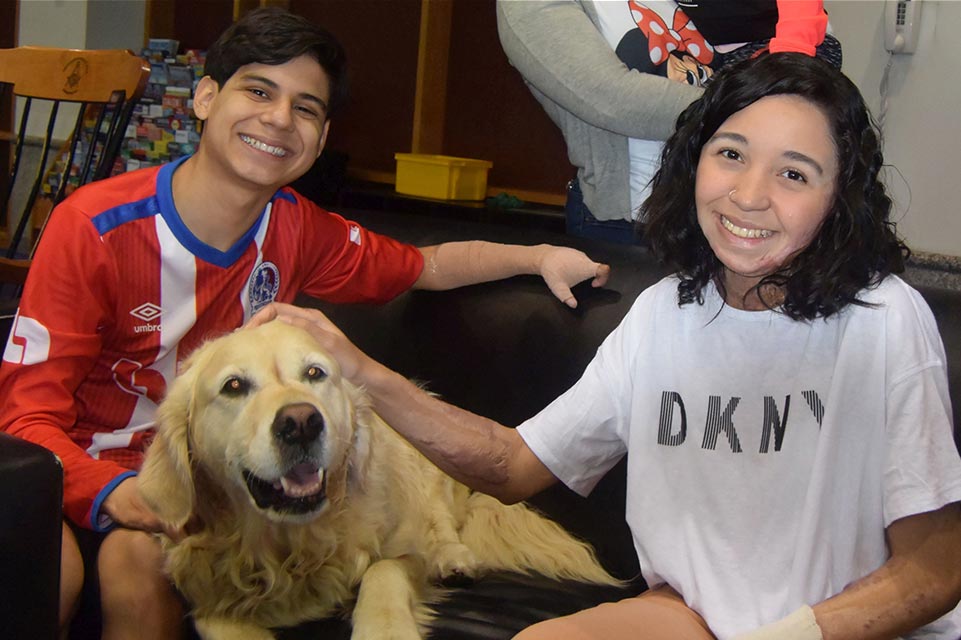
561, 53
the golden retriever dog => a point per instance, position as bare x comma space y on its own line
300, 503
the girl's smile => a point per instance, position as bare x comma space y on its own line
765, 182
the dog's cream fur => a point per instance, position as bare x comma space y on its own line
389, 526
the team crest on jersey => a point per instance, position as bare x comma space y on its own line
263, 286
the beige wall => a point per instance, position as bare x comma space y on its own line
53, 23
107, 24
922, 125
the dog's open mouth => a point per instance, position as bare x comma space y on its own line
301, 490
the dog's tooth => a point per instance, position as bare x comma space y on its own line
298, 485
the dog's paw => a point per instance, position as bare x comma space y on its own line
454, 562
225, 629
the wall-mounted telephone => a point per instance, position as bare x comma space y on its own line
902, 21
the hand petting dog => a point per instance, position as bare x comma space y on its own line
350, 358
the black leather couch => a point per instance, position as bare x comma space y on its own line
503, 350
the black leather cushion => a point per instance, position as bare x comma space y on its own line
31, 481
506, 349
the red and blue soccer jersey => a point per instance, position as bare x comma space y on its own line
120, 291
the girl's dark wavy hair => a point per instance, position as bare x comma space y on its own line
272, 35
857, 245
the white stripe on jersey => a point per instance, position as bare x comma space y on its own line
178, 277
105, 441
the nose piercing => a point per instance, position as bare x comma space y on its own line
730, 195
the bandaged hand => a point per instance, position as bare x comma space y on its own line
563, 267
800, 625
457, 264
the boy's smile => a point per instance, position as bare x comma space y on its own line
267, 125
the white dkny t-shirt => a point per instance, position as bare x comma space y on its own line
767, 455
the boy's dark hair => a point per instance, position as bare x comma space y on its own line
271, 35
857, 245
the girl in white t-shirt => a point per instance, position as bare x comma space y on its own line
754, 517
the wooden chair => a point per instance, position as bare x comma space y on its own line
104, 85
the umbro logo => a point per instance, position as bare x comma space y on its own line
148, 312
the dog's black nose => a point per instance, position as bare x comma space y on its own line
297, 424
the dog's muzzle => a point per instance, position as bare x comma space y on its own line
303, 488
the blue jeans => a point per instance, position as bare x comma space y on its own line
580, 222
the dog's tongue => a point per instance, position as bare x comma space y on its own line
303, 480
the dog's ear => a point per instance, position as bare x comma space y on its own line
165, 480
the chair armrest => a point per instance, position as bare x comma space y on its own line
13, 271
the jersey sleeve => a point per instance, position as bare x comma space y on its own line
53, 345
344, 262
923, 468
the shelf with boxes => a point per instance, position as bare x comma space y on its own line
163, 127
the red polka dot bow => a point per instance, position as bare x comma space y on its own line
662, 40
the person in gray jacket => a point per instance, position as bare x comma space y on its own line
597, 102
615, 75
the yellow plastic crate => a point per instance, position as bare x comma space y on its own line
441, 177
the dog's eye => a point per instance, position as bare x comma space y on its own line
314, 373
235, 386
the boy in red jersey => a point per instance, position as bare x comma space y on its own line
134, 272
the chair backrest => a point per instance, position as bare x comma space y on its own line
54, 147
